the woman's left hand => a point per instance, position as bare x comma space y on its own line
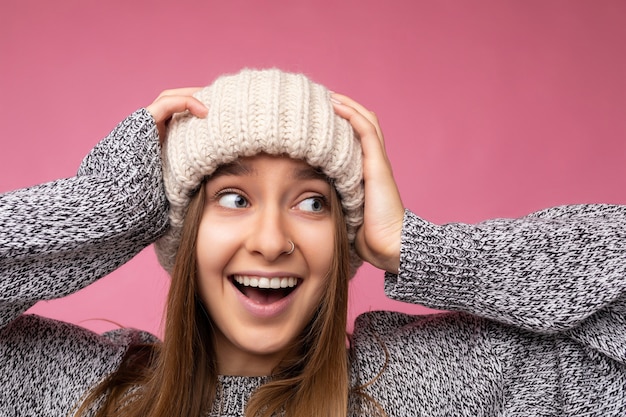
378, 239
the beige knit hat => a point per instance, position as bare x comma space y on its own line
258, 111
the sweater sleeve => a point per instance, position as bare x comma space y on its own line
59, 237
540, 327
558, 270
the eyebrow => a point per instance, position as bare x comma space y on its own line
309, 173
241, 168
236, 168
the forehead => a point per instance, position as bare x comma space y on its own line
250, 166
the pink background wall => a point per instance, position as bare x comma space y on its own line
491, 108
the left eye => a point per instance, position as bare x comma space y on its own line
312, 204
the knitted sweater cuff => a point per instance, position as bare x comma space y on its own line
437, 265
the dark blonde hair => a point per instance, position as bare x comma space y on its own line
178, 377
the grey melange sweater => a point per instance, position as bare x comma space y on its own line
537, 328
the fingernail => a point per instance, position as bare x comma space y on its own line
334, 100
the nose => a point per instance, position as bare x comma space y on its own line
268, 235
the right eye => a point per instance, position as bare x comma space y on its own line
232, 200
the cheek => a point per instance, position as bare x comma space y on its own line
215, 245
322, 255
317, 244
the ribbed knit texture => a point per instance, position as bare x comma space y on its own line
546, 335
256, 111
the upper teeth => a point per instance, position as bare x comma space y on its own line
264, 282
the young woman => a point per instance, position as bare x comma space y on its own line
269, 193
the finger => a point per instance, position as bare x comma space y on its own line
165, 106
368, 114
185, 91
377, 240
368, 132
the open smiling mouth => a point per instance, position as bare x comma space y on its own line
264, 290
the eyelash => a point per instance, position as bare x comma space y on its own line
221, 193
226, 191
321, 198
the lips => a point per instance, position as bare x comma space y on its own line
264, 290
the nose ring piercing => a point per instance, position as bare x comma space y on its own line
293, 247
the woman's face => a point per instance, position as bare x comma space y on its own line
253, 209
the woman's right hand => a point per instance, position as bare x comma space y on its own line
175, 101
